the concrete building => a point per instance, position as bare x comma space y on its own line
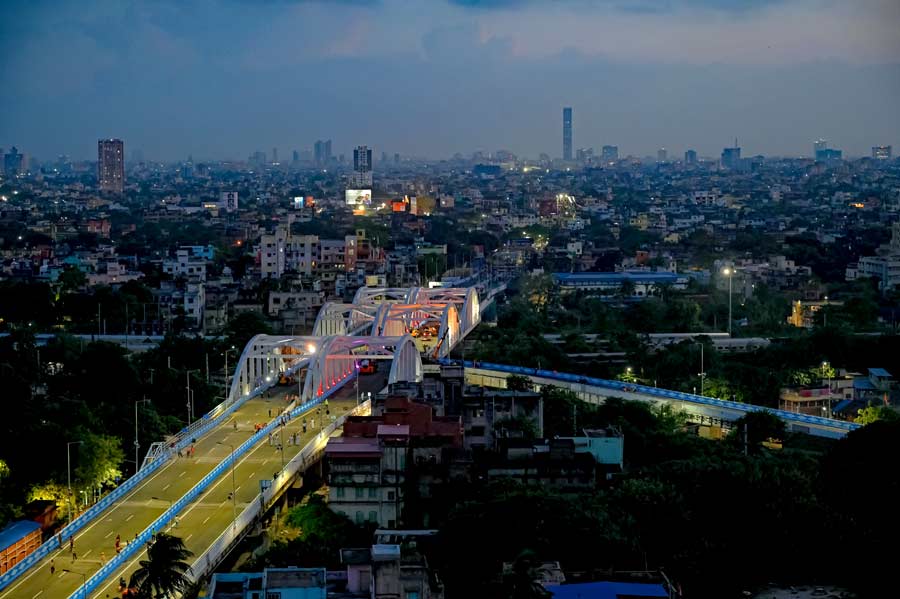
185, 264
637, 284
111, 165
567, 133
271, 583
281, 251
609, 154
882, 152
361, 178
18, 540
14, 163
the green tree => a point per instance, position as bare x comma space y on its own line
244, 327
516, 382
72, 279
164, 572
99, 460
871, 414
759, 427
521, 582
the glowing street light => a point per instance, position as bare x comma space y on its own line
729, 272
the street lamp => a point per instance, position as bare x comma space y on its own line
190, 404
137, 445
230, 349
83, 580
69, 470
826, 369
702, 369
233, 488
357, 382
729, 272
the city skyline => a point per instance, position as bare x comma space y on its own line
488, 75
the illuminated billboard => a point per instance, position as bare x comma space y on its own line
356, 197
301, 202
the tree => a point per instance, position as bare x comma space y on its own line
164, 572
244, 327
759, 426
871, 414
521, 582
516, 382
72, 279
99, 460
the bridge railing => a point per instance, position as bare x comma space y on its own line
216, 552
105, 571
661, 393
206, 423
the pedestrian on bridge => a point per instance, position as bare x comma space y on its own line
52, 567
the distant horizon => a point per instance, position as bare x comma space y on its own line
221, 79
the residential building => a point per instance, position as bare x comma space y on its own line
14, 163
281, 252
567, 133
731, 157
111, 165
633, 284
361, 177
185, 264
609, 154
882, 152
18, 540
271, 583
485, 412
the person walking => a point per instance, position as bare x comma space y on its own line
72, 543
52, 567
74, 557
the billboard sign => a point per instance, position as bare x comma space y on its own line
355, 197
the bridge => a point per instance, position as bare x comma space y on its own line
234, 446
698, 408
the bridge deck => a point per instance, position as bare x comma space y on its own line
204, 520
138, 509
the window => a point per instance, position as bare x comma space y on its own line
339, 491
373, 492
390, 495
359, 517
277, 595
359, 492
412, 594
373, 516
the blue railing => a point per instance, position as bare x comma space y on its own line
144, 537
83, 519
662, 393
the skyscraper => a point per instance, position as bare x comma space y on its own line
690, 157
819, 145
14, 163
662, 155
111, 165
322, 152
567, 133
731, 157
362, 168
882, 152
609, 153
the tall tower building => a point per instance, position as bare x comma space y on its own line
567, 133
662, 155
322, 152
819, 145
881, 152
362, 168
111, 165
690, 157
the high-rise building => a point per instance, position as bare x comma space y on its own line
662, 155
295, 157
609, 153
322, 152
690, 157
384, 158
731, 157
111, 165
828, 155
274, 155
567, 133
362, 168
396, 158
819, 145
882, 152
14, 163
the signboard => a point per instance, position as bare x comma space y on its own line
355, 197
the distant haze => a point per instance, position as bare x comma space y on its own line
222, 78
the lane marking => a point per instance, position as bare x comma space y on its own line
182, 474
87, 553
130, 516
188, 538
166, 488
37, 594
109, 534
205, 521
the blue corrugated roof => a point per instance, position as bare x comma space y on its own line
606, 590
879, 372
16, 531
863, 384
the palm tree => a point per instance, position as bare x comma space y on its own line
163, 573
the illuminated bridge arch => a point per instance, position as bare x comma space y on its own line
266, 357
380, 295
335, 318
464, 298
442, 320
337, 358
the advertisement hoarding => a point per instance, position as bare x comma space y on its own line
355, 197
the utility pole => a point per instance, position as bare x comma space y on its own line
69, 470
137, 444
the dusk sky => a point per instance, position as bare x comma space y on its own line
222, 78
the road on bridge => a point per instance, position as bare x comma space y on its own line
133, 513
209, 516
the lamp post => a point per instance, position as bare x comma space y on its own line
233, 488
69, 470
137, 445
230, 349
83, 580
825, 369
729, 272
357, 383
190, 406
702, 370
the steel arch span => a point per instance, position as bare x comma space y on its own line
266, 357
335, 318
380, 295
337, 359
464, 298
404, 319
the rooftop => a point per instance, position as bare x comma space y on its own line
15, 531
606, 590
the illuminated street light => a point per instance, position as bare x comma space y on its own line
729, 272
